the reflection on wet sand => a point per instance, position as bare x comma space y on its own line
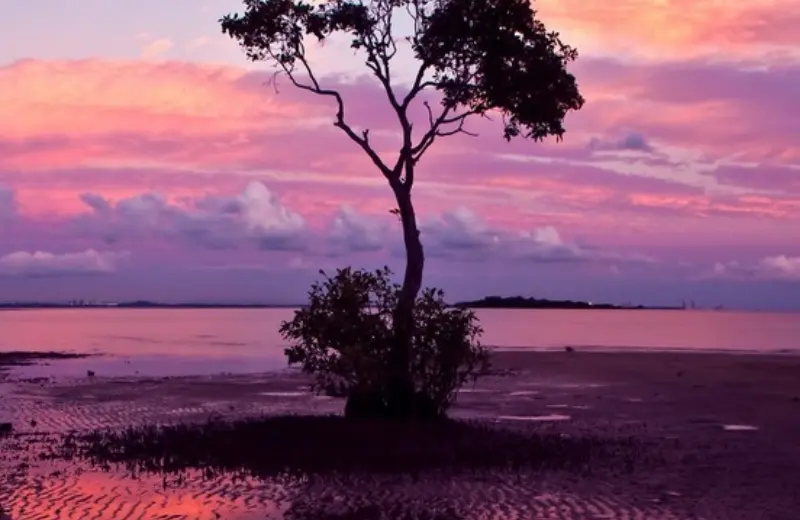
75, 489
111, 496
727, 425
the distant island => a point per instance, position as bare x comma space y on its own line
519, 302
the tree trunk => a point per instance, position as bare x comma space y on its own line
401, 391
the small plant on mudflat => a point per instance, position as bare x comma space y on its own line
343, 338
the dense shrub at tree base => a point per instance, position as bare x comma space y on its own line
343, 338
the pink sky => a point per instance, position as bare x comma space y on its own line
141, 156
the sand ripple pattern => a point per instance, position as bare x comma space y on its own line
109, 496
103, 496
35, 490
81, 405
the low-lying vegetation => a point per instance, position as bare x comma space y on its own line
19, 358
270, 447
345, 337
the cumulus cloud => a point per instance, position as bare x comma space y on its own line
254, 217
459, 230
156, 48
41, 263
776, 268
463, 234
781, 267
352, 231
545, 244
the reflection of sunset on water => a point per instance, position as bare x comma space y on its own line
102, 496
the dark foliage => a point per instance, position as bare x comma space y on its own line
325, 445
14, 358
482, 56
343, 337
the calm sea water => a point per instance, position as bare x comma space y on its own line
183, 342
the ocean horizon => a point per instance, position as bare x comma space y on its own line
162, 342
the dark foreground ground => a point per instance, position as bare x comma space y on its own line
548, 435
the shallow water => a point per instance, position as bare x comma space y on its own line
739, 427
160, 342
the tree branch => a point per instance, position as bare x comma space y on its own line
436, 128
315, 87
381, 48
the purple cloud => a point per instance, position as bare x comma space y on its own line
630, 141
44, 264
781, 268
256, 217
353, 232
765, 177
462, 235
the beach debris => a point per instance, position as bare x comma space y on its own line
33, 423
6, 428
90, 373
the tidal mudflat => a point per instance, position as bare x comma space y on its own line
581, 435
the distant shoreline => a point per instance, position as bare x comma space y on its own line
488, 302
142, 305
211, 306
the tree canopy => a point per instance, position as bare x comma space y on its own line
484, 57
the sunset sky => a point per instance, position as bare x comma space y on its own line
142, 157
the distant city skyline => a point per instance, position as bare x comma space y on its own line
142, 157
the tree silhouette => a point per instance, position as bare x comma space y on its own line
483, 57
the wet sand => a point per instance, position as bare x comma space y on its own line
725, 428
